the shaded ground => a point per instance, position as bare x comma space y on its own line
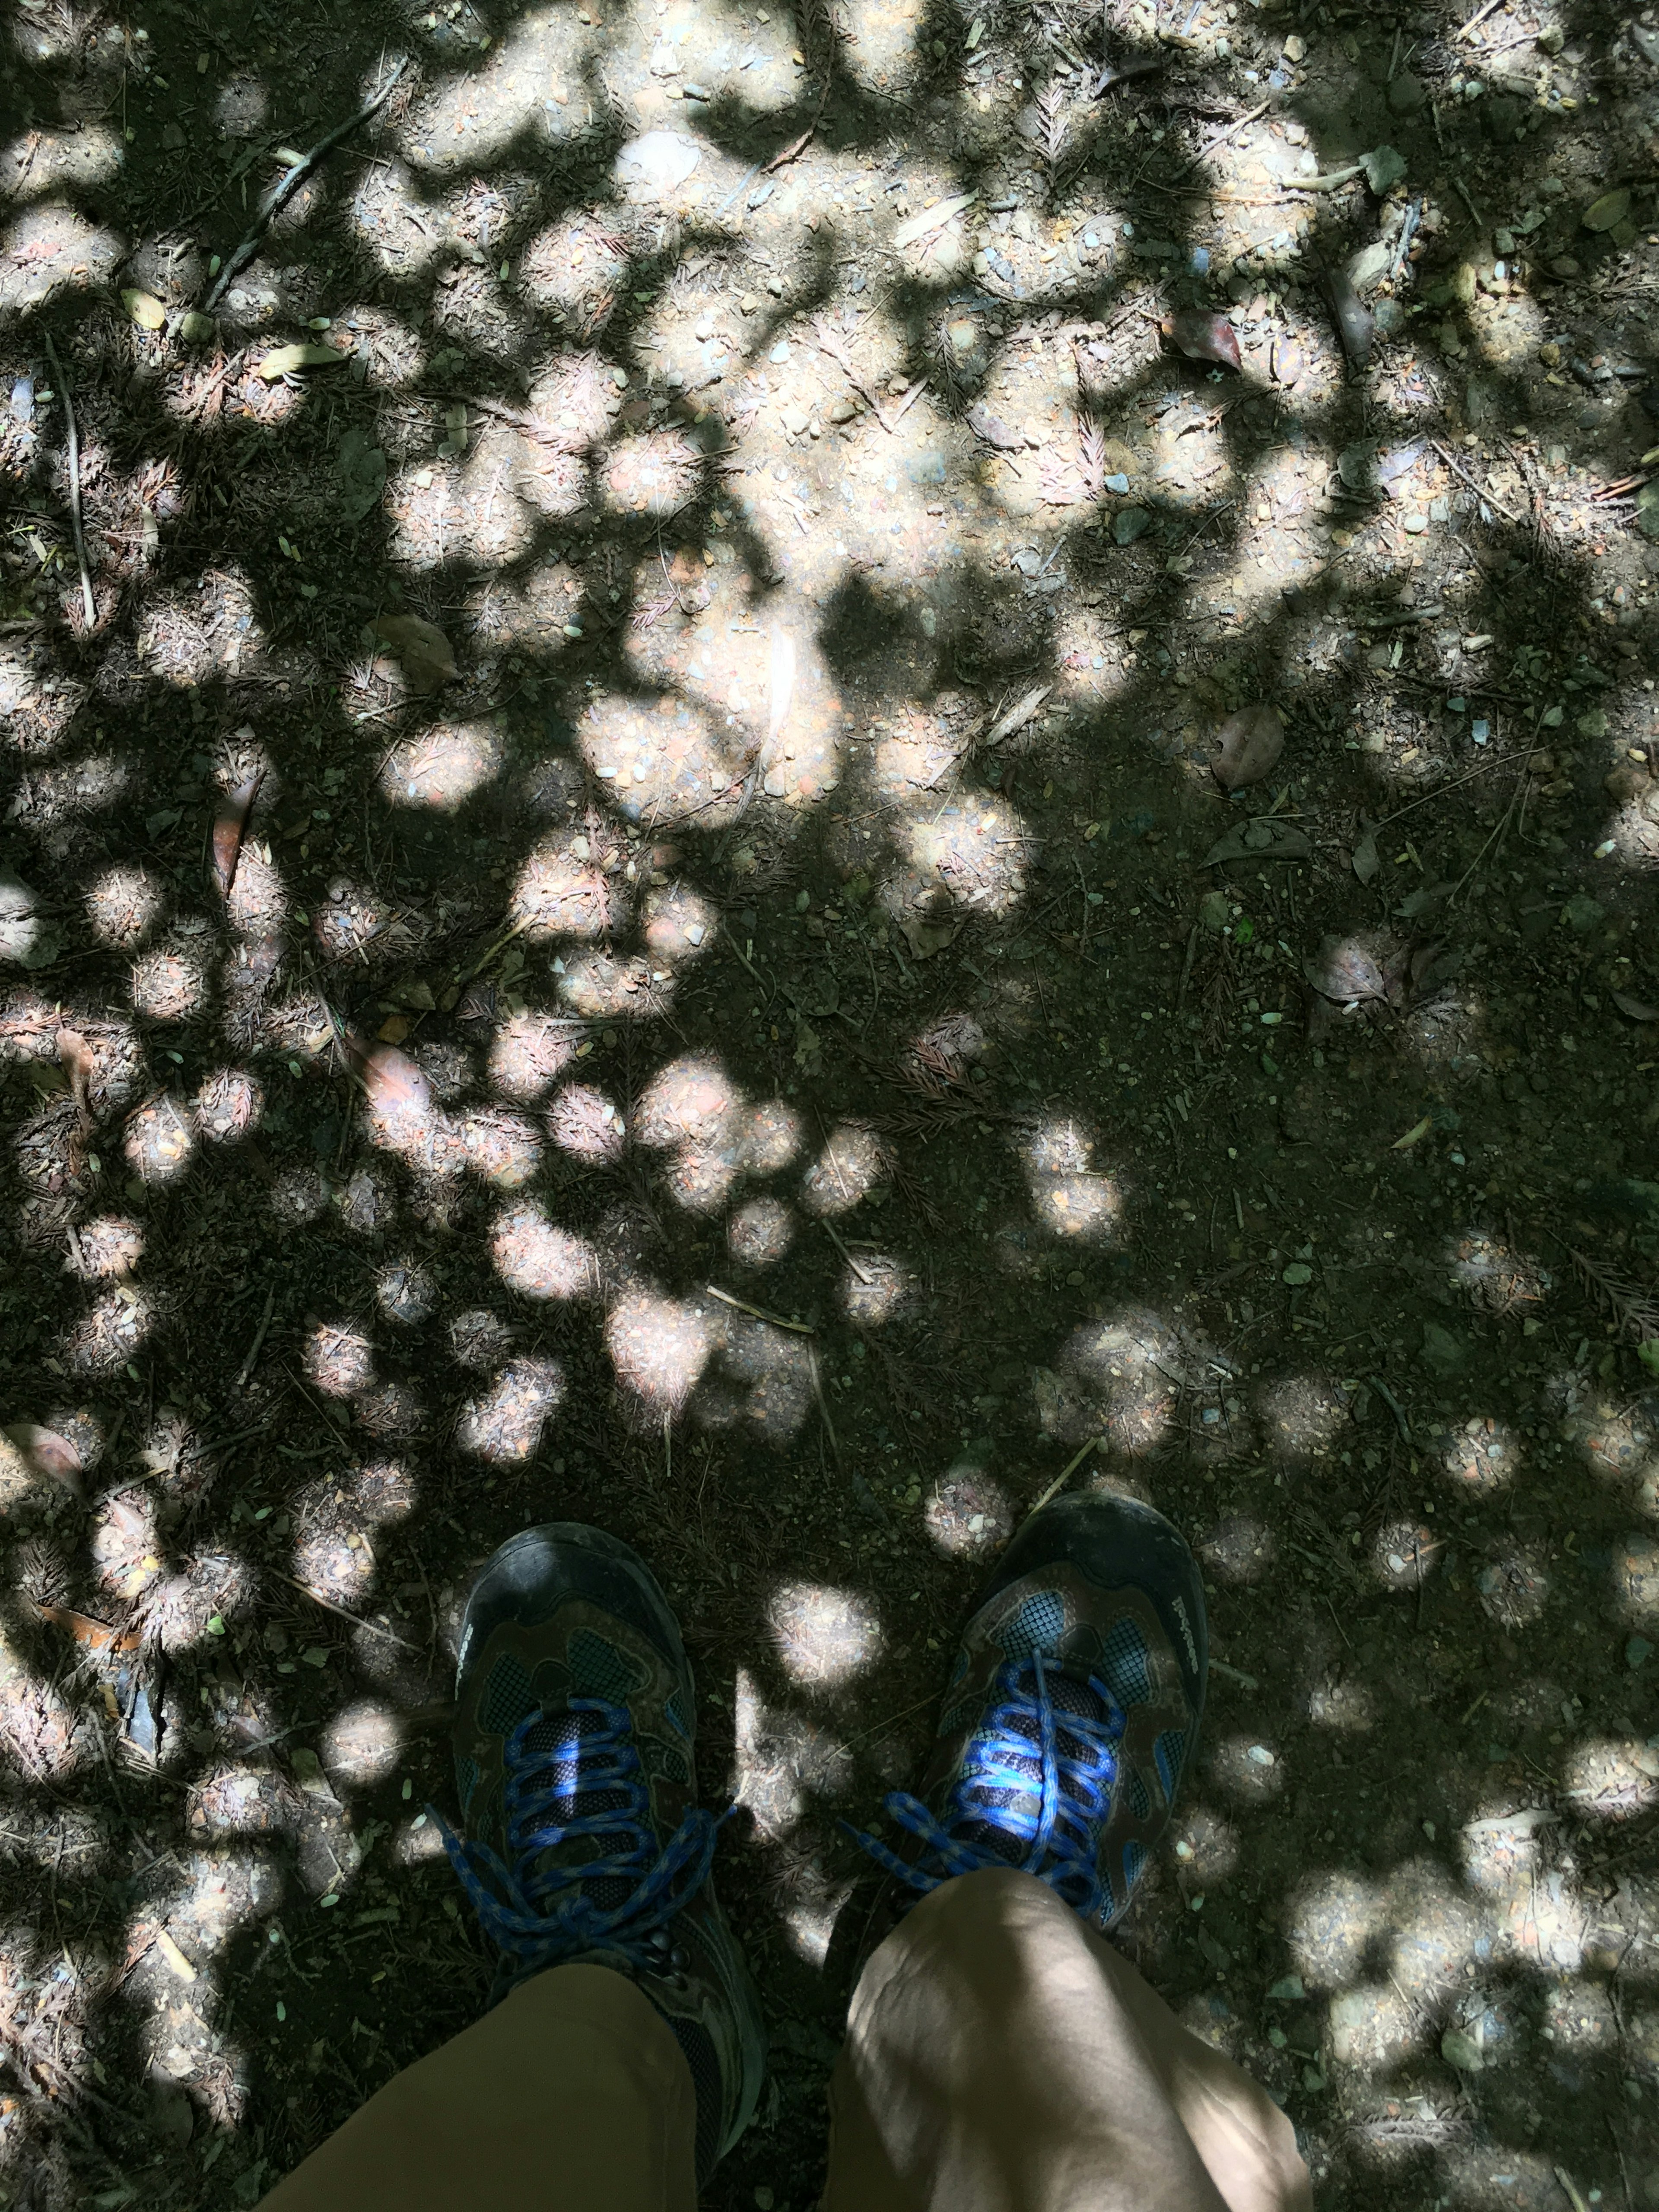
620, 910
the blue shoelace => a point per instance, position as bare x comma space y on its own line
542, 1911
1037, 1780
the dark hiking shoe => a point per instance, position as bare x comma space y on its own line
1070, 1715
583, 1842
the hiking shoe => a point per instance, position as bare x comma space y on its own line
582, 1841
1070, 1715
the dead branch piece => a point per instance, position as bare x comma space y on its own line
289, 182
1457, 469
1095, 1444
759, 1313
87, 600
258, 1339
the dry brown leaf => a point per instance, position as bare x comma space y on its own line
1251, 742
1637, 1009
96, 1635
75, 1054
1345, 971
393, 1030
45, 1452
1018, 714
229, 828
424, 652
286, 359
1204, 338
1365, 861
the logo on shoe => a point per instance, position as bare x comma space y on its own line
1186, 1632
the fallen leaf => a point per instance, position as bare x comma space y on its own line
285, 360
1365, 861
933, 218
96, 1635
925, 936
1018, 714
361, 467
1260, 841
425, 653
1414, 1135
198, 329
47, 1453
1461, 2052
1384, 166
144, 309
995, 431
393, 1030
1607, 213
1343, 970
1204, 338
1355, 324
1637, 1009
1250, 741
229, 828
395, 1086
174, 1957
75, 1054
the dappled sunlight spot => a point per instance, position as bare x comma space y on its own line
330, 1566
760, 1232
339, 1359
125, 1544
539, 1260
1373, 2028
417, 1842
969, 1514
824, 1636
782, 1758
112, 1245
759, 1379
298, 1195
678, 922
1115, 1378
1079, 1204
1636, 1579
230, 1799
1346, 1708
1301, 1417
51, 162
577, 394
182, 1604
1404, 1554
771, 1138
664, 759
809, 1906
1513, 1587
71, 791
473, 115
211, 628
655, 473
442, 767
1248, 1769
1496, 1279
504, 1424
1484, 1456
1436, 1927
1612, 1779
874, 1286
38, 1724
445, 507
50, 250
1335, 1919
690, 1098
564, 890
168, 985
583, 1122
529, 1052
406, 1292
113, 1328
976, 852
1208, 1844
124, 904
614, 987
659, 1347
1579, 2016
1503, 1850
229, 1105
1239, 1551
851, 1165
574, 267
502, 1147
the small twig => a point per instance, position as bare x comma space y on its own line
289, 182
258, 1339
356, 1620
852, 1260
1095, 1444
798, 1327
1478, 16
88, 602
1221, 138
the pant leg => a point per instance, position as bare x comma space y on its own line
1000, 2056
572, 2093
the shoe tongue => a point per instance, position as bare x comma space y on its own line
558, 1739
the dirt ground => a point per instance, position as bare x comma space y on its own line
806, 768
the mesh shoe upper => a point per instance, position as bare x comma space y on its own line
582, 1839
1071, 1712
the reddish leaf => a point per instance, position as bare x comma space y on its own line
95, 1634
230, 826
1251, 741
47, 1453
1205, 338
